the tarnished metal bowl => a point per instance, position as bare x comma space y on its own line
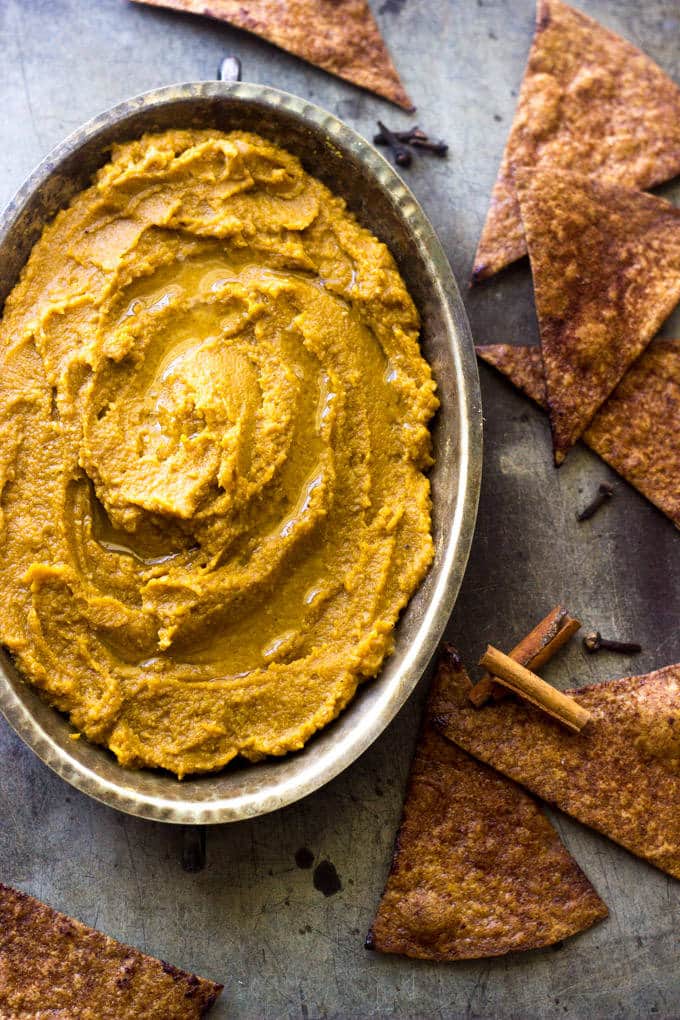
352, 168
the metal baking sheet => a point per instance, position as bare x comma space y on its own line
252, 917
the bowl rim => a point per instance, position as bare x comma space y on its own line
457, 538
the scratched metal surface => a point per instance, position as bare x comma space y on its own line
252, 918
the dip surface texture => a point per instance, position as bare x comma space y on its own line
213, 422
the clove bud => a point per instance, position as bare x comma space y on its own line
594, 641
401, 141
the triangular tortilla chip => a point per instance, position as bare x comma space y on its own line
590, 102
606, 268
635, 431
478, 870
51, 965
619, 775
341, 36
522, 364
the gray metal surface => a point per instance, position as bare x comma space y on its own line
252, 918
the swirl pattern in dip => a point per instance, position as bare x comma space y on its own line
214, 421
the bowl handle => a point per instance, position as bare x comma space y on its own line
229, 69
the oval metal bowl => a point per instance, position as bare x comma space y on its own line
352, 168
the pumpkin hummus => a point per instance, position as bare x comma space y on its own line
213, 422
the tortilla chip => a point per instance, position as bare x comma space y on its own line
478, 870
341, 36
522, 364
635, 431
619, 775
590, 102
606, 268
53, 965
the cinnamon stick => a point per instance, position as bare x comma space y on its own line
533, 651
527, 685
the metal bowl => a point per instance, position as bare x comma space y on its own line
352, 168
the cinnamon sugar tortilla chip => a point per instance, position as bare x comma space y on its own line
51, 965
590, 102
636, 430
619, 775
478, 870
606, 268
341, 36
522, 364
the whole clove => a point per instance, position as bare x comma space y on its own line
604, 492
401, 143
407, 136
438, 148
416, 137
402, 153
594, 641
